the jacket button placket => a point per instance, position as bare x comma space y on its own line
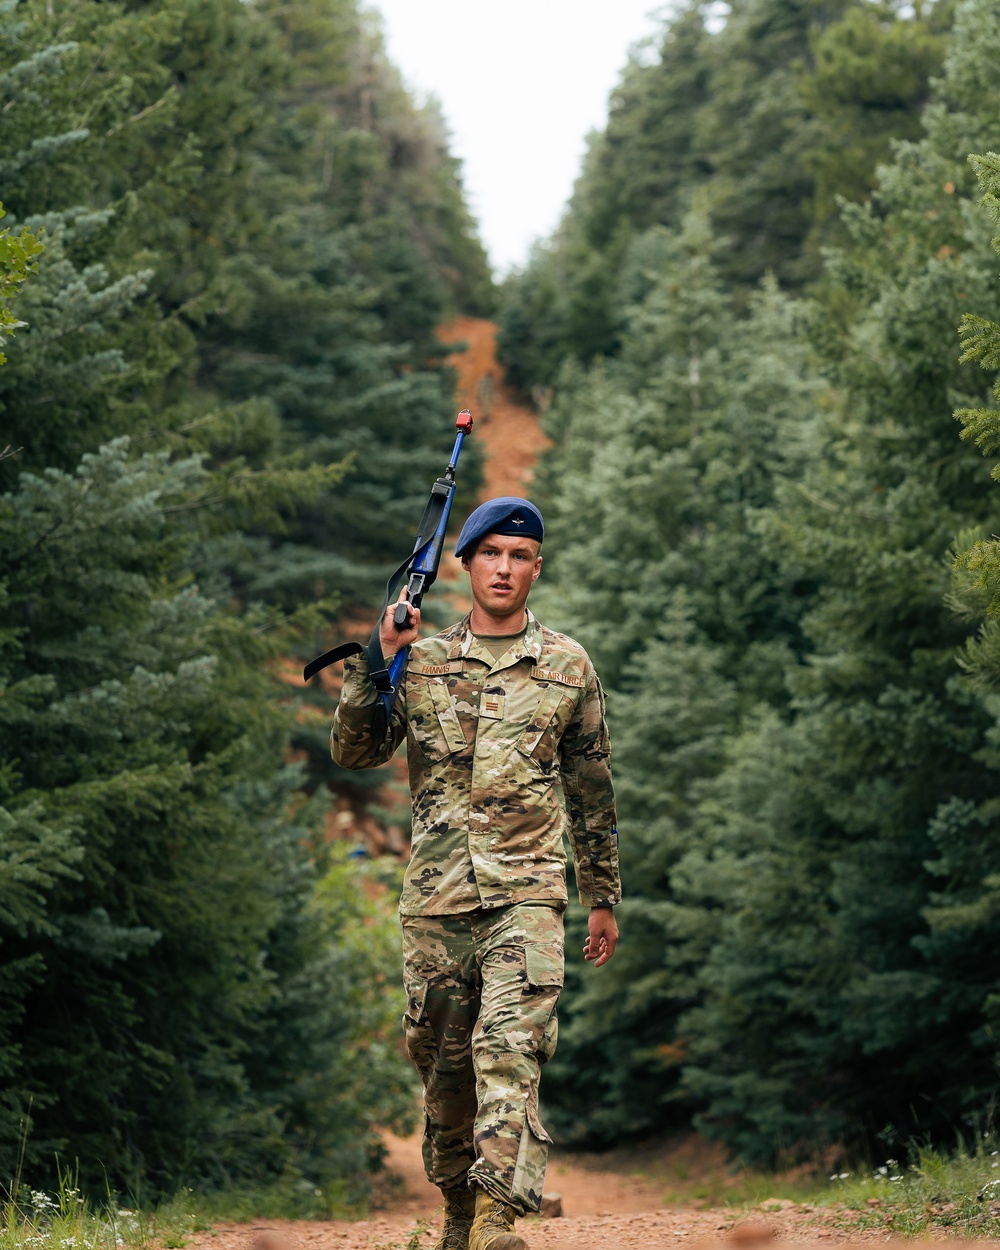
483, 793
479, 820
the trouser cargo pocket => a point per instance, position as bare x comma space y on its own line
543, 965
532, 1152
418, 1035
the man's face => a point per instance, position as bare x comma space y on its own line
502, 569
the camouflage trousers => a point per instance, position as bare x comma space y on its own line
480, 1021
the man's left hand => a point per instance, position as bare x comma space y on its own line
603, 927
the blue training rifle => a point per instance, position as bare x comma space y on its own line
420, 569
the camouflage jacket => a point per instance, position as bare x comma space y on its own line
505, 757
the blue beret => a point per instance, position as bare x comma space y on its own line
506, 515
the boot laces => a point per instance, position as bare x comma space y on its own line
458, 1216
498, 1215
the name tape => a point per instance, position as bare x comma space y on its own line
552, 674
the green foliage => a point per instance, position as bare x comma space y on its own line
662, 463
232, 293
228, 367
764, 124
753, 510
186, 998
18, 254
981, 339
818, 988
868, 81
64, 1217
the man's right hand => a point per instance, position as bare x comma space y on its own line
393, 639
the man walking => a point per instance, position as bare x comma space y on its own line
507, 751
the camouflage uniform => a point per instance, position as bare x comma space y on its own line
505, 757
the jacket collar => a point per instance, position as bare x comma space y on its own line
464, 642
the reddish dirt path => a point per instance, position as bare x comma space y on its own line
510, 432
606, 1204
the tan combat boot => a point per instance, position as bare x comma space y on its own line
459, 1212
493, 1227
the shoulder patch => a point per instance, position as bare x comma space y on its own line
436, 670
552, 674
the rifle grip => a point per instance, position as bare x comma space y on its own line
401, 617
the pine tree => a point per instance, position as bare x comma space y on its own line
964, 911
172, 974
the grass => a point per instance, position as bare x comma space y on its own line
65, 1220
738, 1190
935, 1193
290, 1198
31, 1219
688, 1170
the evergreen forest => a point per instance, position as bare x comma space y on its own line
226, 366
778, 545
763, 342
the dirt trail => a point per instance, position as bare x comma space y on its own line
605, 1203
510, 432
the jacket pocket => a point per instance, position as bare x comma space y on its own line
432, 718
538, 739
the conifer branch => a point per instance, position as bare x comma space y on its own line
829, 506
138, 117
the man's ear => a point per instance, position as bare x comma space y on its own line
465, 564
538, 569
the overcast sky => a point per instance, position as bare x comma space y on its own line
521, 83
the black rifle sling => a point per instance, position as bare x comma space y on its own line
373, 651
378, 670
